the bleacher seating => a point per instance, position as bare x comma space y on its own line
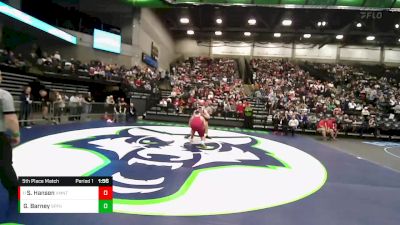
14, 83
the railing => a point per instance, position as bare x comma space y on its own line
176, 111
53, 113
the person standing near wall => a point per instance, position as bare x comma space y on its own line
73, 107
293, 124
59, 106
26, 100
248, 116
8, 122
131, 115
45, 103
88, 103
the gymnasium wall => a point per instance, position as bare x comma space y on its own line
190, 48
273, 50
151, 30
330, 53
360, 53
26, 36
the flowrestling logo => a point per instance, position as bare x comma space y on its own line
156, 171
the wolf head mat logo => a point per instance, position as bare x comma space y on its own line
148, 163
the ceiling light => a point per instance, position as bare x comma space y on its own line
370, 38
190, 32
218, 33
397, 26
219, 20
359, 25
252, 21
307, 35
321, 23
339, 37
290, 6
287, 22
277, 35
184, 20
247, 34
399, 39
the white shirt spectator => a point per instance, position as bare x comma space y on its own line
73, 100
294, 123
392, 101
67, 65
359, 107
397, 109
352, 105
147, 87
57, 56
365, 112
210, 95
163, 103
173, 94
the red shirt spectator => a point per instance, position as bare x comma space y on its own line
240, 109
331, 124
227, 89
176, 102
322, 124
138, 83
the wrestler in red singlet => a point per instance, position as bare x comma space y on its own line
197, 123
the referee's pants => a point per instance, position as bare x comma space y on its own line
8, 176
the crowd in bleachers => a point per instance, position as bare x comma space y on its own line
141, 78
359, 101
72, 105
206, 82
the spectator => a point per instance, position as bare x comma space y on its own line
26, 100
396, 110
81, 104
331, 128
164, 104
73, 106
352, 105
57, 56
120, 111
365, 113
248, 117
284, 123
322, 128
45, 103
131, 115
347, 124
109, 108
88, 101
276, 122
293, 124
240, 109
373, 126
59, 105
303, 121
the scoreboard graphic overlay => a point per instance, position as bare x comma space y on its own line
65, 195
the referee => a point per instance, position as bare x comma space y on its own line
8, 122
